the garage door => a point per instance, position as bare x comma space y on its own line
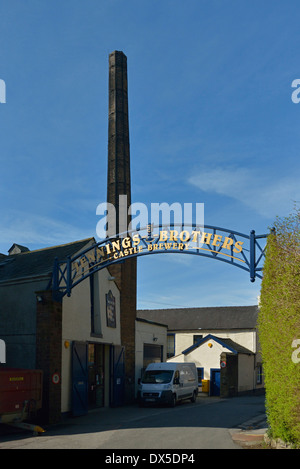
152, 354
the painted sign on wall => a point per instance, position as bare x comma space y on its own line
110, 310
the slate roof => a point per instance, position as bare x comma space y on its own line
207, 318
38, 262
227, 343
151, 322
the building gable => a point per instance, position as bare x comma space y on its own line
229, 344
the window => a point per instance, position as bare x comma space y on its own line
170, 345
200, 372
95, 306
196, 338
259, 374
157, 376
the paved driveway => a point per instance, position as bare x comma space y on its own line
206, 424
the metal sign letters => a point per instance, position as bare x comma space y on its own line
243, 251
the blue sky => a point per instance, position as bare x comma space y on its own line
211, 121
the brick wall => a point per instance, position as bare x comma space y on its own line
49, 353
125, 275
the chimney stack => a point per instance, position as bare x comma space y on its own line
118, 180
118, 183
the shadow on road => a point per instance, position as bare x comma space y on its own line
210, 412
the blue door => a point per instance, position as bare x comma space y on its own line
117, 360
215, 382
79, 378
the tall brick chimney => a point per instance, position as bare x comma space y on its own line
118, 183
118, 177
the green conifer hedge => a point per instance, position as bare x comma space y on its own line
279, 329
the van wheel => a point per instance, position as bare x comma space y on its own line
193, 398
173, 400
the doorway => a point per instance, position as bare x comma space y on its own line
79, 379
215, 381
95, 375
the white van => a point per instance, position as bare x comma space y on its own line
168, 383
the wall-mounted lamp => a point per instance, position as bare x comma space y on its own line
155, 339
111, 279
39, 299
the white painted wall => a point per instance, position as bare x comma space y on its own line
76, 324
246, 338
77, 312
246, 373
203, 356
144, 333
209, 357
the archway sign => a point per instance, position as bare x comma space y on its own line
238, 249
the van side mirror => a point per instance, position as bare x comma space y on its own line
176, 381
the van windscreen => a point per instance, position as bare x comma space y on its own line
157, 376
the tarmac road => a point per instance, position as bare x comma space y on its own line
210, 423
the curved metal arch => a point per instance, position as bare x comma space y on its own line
200, 241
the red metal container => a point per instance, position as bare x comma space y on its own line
19, 389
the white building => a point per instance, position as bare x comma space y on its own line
221, 341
